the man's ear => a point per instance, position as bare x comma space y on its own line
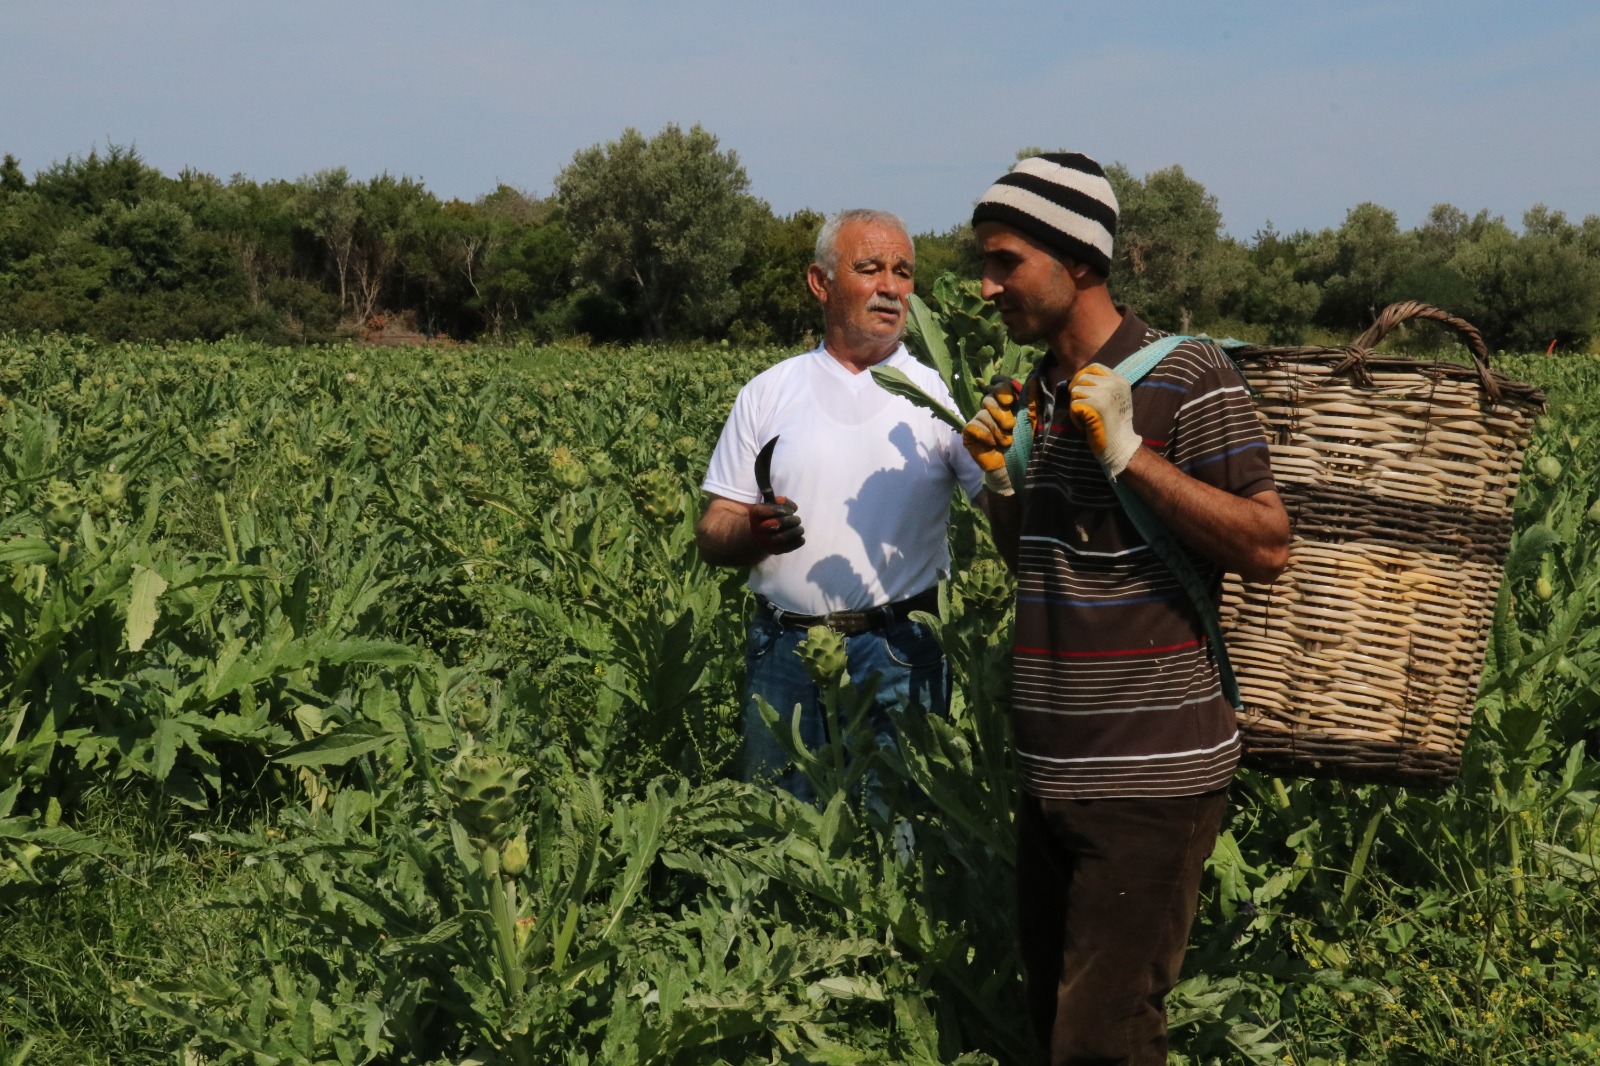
817, 281
1083, 275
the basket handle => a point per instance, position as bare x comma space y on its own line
1397, 313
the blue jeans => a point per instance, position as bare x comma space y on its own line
912, 673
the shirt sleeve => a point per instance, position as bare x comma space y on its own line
731, 472
1218, 437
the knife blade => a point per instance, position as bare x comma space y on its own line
764, 471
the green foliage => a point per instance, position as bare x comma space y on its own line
1169, 259
648, 238
960, 335
659, 225
775, 303
954, 251
373, 706
1533, 290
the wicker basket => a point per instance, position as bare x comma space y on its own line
1362, 661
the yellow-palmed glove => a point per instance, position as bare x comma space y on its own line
988, 433
1102, 406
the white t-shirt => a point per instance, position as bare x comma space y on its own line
870, 472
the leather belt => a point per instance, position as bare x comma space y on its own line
851, 623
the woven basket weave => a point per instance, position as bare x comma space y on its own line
1362, 661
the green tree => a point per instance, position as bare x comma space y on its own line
1535, 289
1358, 266
955, 251
328, 204
659, 225
1270, 296
1430, 275
525, 280
774, 302
12, 179
88, 184
391, 230
1169, 259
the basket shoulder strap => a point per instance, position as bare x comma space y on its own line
1169, 552
1021, 448
1161, 540
1133, 368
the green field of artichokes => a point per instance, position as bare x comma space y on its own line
371, 706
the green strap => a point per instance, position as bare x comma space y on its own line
1021, 445
1162, 542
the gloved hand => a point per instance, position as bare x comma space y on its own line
1102, 406
988, 433
775, 527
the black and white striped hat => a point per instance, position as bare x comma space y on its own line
1060, 199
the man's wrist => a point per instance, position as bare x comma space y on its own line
1119, 453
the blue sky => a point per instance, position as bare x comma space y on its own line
1288, 111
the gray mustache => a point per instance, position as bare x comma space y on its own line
883, 303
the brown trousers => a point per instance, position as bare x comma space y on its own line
1106, 892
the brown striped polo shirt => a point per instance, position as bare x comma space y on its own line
1114, 692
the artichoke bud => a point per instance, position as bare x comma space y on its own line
334, 444
514, 855
566, 470
113, 487
92, 437
685, 449
656, 492
380, 443
55, 394
823, 653
1593, 514
1549, 467
63, 507
484, 788
218, 460
988, 590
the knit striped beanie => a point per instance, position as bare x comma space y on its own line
1060, 199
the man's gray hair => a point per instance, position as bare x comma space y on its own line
827, 252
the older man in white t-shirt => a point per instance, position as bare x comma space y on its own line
863, 481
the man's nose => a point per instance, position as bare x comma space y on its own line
989, 289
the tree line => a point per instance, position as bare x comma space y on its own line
660, 238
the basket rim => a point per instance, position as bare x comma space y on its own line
1359, 364
1358, 359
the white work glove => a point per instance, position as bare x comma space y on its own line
1102, 406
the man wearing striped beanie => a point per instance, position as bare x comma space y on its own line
1126, 743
